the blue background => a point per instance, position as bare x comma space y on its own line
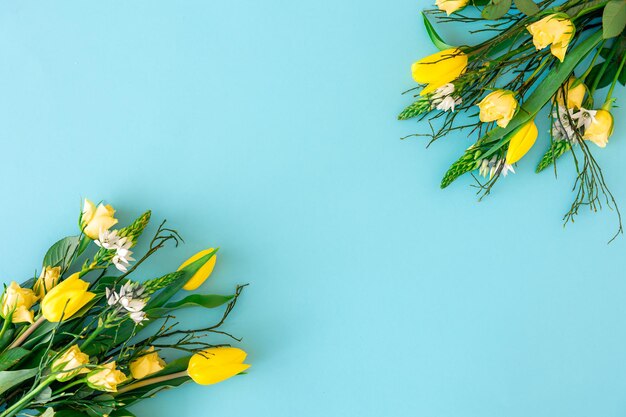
268, 129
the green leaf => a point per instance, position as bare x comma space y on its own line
496, 9
9, 379
434, 36
168, 292
480, 2
528, 7
541, 95
206, 301
12, 357
61, 253
122, 413
607, 76
613, 18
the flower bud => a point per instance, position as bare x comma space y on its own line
48, 279
216, 365
498, 106
439, 69
521, 141
19, 300
105, 378
201, 274
147, 364
575, 95
451, 6
71, 363
94, 220
64, 300
600, 128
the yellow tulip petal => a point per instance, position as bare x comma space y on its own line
203, 273
216, 364
521, 141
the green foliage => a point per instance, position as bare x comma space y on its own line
496, 9
528, 7
11, 357
613, 18
9, 379
466, 163
557, 149
62, 252
434, 36
421, 106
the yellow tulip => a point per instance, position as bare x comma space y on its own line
555, 30
19, 300
521, 141
600, 129
203, 273
575, 95
498, 106
48, 279
439, 69
147, 364
64, 300
451, 6
216, 365
106, 378
71, 363
96, 219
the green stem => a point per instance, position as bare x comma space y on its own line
70, 385
150, 381
28, 332
602, 69
25, 400
593, 61
617, 74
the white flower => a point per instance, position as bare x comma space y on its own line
489, 167
584, 117
138, 316
108, 239
129, 299
442, 99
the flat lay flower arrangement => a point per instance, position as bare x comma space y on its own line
564, 56
82, 338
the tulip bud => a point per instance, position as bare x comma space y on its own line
600, 128
147, 364
521, 141
106, 378
48, 279
71, 363
575, 95
439, 69
498, 106
451, 6
94, 220
203, 273
19, 301
216, 365
555, 30
64, 300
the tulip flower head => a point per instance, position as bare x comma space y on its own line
106, 378
71, 363
451, 6
439, 69
499, 106
556, 30
147, 364
97, 219
600, 129
521, 141
19, 301
216, 365
201, 274
64, 300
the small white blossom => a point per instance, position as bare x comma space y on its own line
489, 167
584, 117
108, 239
442, 99
130, 299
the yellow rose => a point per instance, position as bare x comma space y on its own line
521, 141
203, 273
575, 95
96, 219
498, 106
216, 364
64, 300
451, 6
106, 378
600, 129
439, 69
71, 363
555, 30
19, 300
48, 279
147, 364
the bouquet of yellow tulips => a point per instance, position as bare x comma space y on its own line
84, 339
552, 55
